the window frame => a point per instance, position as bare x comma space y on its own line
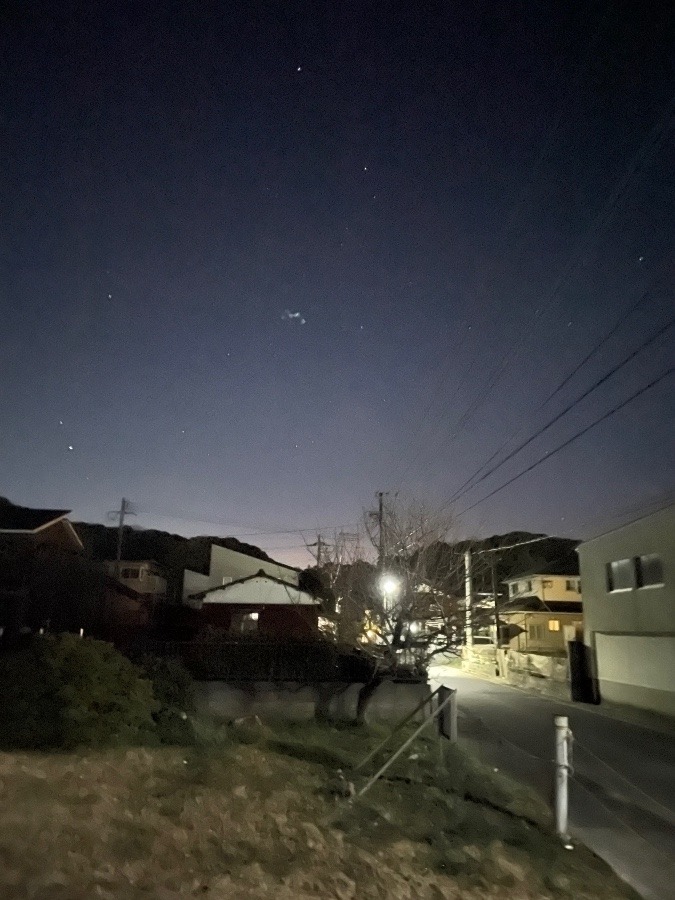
639, 576
610, 581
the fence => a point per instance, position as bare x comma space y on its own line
276, 661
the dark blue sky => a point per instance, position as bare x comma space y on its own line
459, 199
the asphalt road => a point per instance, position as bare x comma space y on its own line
622, 794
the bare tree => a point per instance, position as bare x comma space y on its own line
417, 608
350, 577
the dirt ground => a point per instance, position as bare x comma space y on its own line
260, 814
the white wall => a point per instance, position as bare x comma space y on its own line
261, 592
648, 610
548, 587
632, 631
231, 565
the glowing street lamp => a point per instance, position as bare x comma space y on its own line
390, 586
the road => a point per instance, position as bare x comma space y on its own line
622, 794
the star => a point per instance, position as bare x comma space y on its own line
70, 447
299, 69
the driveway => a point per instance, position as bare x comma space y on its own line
622, 794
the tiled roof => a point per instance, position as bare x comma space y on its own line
536, 604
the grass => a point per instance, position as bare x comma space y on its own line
252, 811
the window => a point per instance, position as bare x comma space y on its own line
528, 585
572, 585
648, 570
129, 573
249, 623
536, 632
554, 624
620, 575
513, 589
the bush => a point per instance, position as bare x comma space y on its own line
175, 694
62, 691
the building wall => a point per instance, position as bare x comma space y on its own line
266, 622
258, 592
236, 565
631, 630
142, 577
231, 565
547, 587
538, 636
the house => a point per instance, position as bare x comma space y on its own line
28, 528
258, 605
38, 547
227, 565
141, 576
543, 610
628, 577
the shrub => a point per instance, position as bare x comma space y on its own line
62, 691
175, 694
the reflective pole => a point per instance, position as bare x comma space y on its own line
562, 767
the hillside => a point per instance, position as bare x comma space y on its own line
173, 552
256, 814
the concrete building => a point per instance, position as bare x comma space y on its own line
227, 566
142, 576
628, 578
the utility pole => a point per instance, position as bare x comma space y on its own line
319, 548
496, 599
380, 522
125, 510
468, 592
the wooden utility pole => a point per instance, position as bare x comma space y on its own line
319, 548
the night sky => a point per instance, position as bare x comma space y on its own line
261, 260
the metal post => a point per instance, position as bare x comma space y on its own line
562, 735
447, 715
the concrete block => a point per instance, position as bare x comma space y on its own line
393, 700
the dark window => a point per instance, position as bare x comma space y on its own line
620, 575
129, 573
648, 570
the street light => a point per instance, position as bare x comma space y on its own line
390, 586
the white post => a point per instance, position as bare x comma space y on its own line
468, 596
562, 734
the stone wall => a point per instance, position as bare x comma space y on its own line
546, 674
389, 702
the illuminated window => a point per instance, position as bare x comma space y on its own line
554, 625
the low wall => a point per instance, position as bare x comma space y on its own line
541, 673
389, 702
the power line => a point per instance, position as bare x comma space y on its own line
606, 337
514, 212
575, 437
566, 410
647, 151
221, 523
